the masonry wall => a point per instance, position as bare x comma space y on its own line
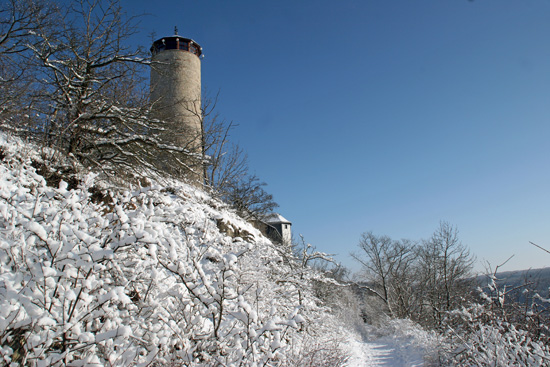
176, 96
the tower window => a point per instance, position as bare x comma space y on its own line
171, 44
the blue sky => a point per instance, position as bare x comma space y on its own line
386, 116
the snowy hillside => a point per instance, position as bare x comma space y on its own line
157, 275
166, 275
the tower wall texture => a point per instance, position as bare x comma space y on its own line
176, 97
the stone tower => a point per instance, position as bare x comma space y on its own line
176, 98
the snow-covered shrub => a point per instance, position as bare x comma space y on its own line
484, 335
60, 299
482, 340
317, 352
147, 278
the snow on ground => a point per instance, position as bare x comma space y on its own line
159, 274
361, 353
398, 343
386, 352
395, 353
56, 236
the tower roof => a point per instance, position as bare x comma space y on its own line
275, 218
176, 42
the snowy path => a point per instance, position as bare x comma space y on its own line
392, 355
386, 352
394, 343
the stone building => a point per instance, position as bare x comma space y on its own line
277, 228
175, 94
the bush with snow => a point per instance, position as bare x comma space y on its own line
483, 334
147, 278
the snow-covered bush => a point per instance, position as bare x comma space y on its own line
484, 341
484, 335
308, 351
146, 279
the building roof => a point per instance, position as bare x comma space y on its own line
176, 42
275, 218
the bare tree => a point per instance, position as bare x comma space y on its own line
84, 67
227, 173
387, 266
19, 21
226, 162
249, 198
445, 266
418, 281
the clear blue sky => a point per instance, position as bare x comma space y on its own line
386, 116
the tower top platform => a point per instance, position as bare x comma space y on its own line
176, 42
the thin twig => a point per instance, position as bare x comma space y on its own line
542, 248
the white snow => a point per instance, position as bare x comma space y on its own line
396, 343
77, 274
150, 278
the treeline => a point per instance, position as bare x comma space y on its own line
418, 280
71, 80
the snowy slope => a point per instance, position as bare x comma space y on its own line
153, 275
161, 276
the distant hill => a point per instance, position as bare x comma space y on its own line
537, 280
